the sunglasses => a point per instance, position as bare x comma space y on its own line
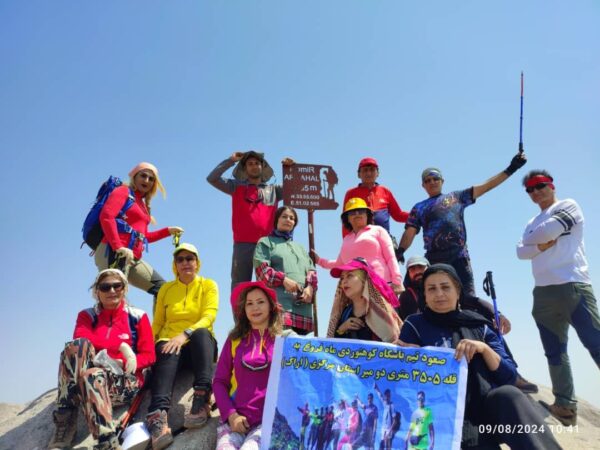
145, 176
537, 187
181, 259
107, 287
356, 212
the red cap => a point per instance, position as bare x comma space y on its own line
237, 291
368, 162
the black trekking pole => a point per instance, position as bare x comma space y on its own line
490, 290
521, 119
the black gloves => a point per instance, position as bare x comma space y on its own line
400, 254
516, 163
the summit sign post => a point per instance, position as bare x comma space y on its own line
310, 187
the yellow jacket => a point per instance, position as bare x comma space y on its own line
180, 306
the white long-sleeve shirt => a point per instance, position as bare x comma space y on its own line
565, 261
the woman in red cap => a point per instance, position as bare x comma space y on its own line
242, 374
362, 305
126, 235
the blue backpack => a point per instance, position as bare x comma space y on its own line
92, 231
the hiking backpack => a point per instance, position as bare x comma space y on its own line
92, 231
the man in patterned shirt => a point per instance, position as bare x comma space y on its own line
442, 218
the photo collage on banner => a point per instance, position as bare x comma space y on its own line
350, 394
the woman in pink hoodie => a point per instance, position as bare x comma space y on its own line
242, 374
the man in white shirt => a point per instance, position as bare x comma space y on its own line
563, 293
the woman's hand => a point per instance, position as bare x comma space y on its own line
238, 423
175, 230
397, 288
352, 324
126, 254
313, 252
290, 286
130, 358
469, 348
505, 325
307, 295
174, 344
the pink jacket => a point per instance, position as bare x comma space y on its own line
374, 244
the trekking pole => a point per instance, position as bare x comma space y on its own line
131, 411
521, 119
490, 290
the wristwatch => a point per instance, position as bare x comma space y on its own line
188, 332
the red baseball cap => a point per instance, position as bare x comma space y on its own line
368, 162
240, 287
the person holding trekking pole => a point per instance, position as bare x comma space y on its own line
104, 365
442, 218
126, 233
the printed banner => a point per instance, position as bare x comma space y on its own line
343, 394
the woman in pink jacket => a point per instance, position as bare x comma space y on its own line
126, 235
242, 374
368, 241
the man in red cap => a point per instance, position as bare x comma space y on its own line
253, 202
379, 198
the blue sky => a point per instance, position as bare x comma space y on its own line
90, 89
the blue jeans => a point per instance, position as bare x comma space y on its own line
554, 309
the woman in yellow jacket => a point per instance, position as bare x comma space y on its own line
183, 331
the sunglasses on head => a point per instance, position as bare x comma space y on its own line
180, 259
107, 287
536, 187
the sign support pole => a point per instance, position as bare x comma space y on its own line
311, 248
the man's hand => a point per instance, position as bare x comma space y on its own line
288, 161
546, 246
236, 156
516, 163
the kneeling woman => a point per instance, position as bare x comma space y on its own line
362, 307
123, 333
183, 329
240, 383
491, 398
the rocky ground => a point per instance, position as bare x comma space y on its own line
29, 427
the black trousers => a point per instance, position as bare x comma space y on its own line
521, 424
199, 354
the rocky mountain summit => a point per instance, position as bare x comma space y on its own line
29, 427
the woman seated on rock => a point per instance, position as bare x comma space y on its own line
491, 397
103, 365
183, 330
362, 306
240, 382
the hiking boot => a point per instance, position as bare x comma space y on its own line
109, 443
158, 426
65, 422
200, 411
565, 415
525, 386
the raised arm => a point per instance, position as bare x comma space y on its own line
216, 179
516, 163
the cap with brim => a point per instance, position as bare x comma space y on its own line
240, 287
417, 261
190, 248
432, 172
368, 162
354, 264
239, 172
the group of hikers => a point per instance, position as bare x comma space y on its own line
116, 350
